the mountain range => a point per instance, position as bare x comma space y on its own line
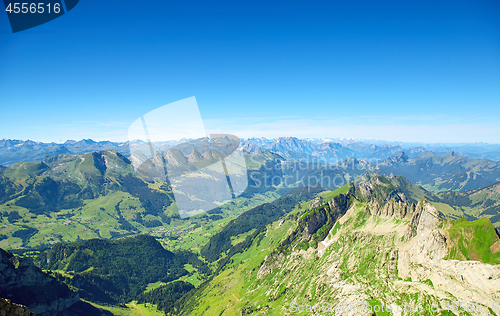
373, 246
328, 151
102, 232
98, 194
331, 151
12, 151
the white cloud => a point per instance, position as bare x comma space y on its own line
431, 129
389, 129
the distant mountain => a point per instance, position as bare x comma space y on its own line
474, 204
99, 195
12, 151
74, 189
470, 150
328, 151
334, 149
442, 172
434, 172
86, 145
359, 244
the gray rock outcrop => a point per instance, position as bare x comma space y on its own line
23, 283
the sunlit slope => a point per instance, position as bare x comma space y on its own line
484, 202
370, 245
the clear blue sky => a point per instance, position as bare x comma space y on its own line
395, 70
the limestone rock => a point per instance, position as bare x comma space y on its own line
7, 308
24, 283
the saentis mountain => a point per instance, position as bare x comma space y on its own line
369, 248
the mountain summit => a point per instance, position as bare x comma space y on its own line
367, 245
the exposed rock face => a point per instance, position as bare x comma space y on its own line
391, 209
381, 250
325, 214
385, 240
328, 212
422, 258
270, 262
7, 308
399, 157
195, 156
175, 157
24, 283
425, 217
316, 202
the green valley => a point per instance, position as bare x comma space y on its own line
114, 237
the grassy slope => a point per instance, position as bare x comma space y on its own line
197, 231
88, 221
473, 240
131, 309
231, 285
97, 217
85, 222
484, 202
236, 290
330, 195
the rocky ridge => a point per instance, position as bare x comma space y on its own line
371, 246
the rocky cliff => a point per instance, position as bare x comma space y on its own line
7, 308
23, 283
368, 251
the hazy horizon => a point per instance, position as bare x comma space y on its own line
398, 71
324, 139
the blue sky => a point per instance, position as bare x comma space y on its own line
393, 70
